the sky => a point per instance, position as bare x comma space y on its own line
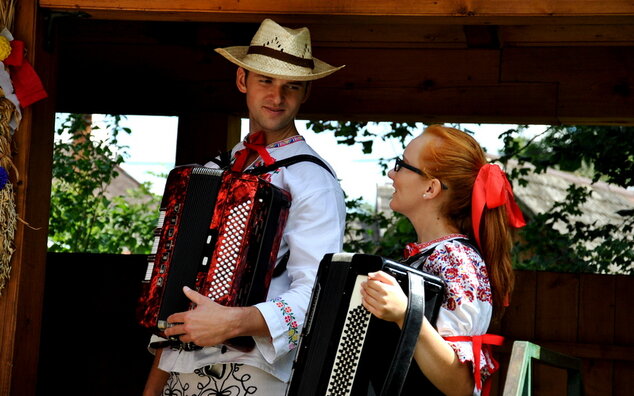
152, 145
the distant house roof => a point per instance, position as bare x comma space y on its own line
121, 184
544, 189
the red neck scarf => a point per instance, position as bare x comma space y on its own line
492, 189
255, 142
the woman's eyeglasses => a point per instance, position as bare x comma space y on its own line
401, 164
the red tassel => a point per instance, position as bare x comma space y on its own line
27, 85
17, 54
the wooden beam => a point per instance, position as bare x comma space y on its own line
595, 83
567, 35
458, 8
355, 35
202, 136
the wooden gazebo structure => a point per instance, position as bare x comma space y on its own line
488, 61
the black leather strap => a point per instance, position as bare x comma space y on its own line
281, 266
175, 343
409, 336
260, 170
223, 160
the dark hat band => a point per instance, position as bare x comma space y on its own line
279, 55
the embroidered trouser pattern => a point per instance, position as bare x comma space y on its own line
223, 379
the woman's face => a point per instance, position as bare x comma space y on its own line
409, 186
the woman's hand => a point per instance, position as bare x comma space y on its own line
384, 298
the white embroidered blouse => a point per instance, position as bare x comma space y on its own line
467, 305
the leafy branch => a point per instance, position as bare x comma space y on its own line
555, 240
83, 218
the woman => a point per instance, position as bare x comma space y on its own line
442, 185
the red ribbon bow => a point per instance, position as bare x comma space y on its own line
411, 249
26, 83
255, 142
492, 189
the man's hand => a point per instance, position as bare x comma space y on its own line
211, 323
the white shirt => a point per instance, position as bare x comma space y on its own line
314, 228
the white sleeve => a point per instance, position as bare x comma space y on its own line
315, 228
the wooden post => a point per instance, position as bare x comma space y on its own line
21, 301
201, 136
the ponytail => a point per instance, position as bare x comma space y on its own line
457, 159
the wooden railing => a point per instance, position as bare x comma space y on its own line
587, 316
89, 317
520, 374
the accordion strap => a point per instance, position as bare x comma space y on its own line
224, 162
409, 336
260, 170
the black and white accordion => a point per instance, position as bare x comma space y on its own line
219, 233
344, 350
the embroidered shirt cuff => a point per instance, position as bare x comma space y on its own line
283, 328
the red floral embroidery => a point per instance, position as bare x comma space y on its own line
450, 304
463, 271
289, 318
451, 273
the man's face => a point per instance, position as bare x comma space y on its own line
273, 103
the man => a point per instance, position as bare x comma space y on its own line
274, 73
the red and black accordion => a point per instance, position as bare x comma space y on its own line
346, 351
219, 233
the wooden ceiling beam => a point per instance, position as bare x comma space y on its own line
567, 35
477, 11
379, 36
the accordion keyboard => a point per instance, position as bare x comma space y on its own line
230, 244
350, 344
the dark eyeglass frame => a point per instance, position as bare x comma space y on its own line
400, 163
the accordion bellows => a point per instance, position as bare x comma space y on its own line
219, 233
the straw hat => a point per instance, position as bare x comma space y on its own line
279, 52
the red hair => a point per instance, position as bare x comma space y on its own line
455, 158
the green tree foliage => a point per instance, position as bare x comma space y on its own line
369, 231
554, 240
83, 218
